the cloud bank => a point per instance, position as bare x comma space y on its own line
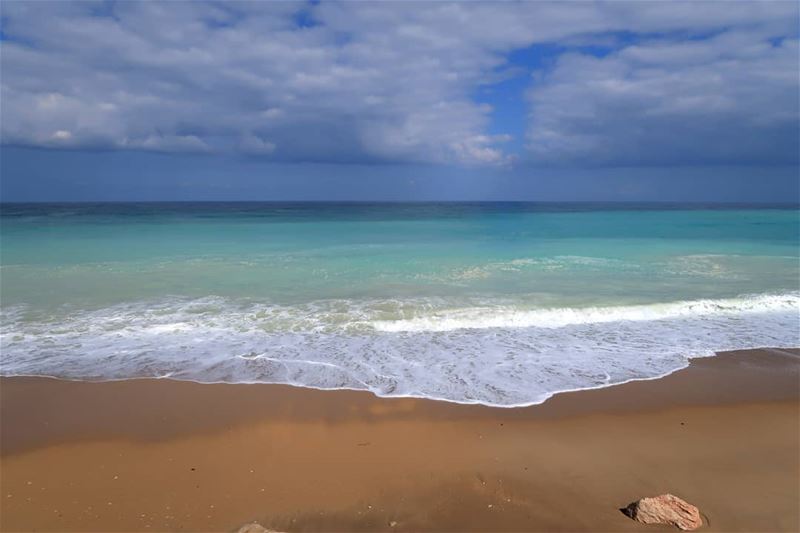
630, 83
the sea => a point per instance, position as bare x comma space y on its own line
502, 304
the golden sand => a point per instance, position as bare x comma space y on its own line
160, 455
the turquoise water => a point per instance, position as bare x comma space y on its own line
502, 304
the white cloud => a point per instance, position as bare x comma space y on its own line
390, 82
253, 144
168, 143
729, 99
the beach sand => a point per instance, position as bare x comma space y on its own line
157, 455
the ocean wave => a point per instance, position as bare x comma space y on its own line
498, 354
529, 264
504, 317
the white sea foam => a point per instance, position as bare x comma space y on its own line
504, 317
491, 352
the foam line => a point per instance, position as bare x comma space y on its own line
477, 354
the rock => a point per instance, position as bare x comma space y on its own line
254, 527
665, 509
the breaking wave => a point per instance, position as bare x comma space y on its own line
496, 353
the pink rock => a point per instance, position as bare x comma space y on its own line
665, 509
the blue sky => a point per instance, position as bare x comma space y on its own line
400, 101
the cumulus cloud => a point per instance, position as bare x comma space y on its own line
729, 99
389, 82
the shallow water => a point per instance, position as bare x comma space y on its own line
501, 304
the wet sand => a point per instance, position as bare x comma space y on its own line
161, 455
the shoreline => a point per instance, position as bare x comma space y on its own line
794, 352
723, 433
598, 346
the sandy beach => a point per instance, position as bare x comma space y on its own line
399, 267
161, 455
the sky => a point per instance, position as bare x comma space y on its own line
616, 101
